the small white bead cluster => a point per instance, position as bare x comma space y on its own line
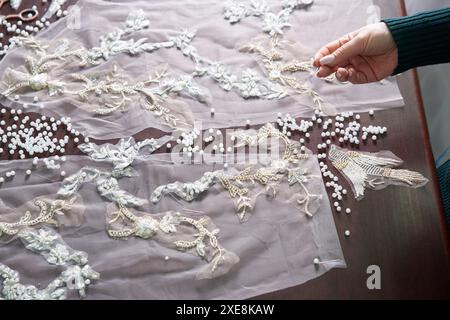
374, 131
18, 30
338, 192
33, 137
188, 140
289, 124
8, 175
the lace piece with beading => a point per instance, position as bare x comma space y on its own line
77, 274
121, 155
113, 92
273, 23
197, 235
281, 71
240, 186
48, 211
373, 170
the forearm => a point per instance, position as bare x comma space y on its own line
422, 39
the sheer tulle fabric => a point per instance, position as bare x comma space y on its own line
137, 268
215, 40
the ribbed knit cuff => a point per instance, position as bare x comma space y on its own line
422, 39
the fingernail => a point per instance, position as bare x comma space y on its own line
327, 59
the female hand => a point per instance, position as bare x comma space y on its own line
365, 55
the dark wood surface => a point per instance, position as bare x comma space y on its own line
401, 230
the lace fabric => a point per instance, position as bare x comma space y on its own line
276, 232
373, 170
77, 275
245, 183
174, 230
214, 61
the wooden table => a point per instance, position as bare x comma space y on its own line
401, 230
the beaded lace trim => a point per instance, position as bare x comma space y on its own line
77, 274
47, 211
201, 238
273, 23
280, 71
238, 185
121, 155
117, 91
368, 170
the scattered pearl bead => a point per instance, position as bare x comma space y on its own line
28, 172
63, 173
316, 261
371, 113
348, 210
347, 233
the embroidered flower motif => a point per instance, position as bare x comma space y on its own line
196, 235
273, 23
76, 276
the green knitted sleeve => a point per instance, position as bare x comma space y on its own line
422, 39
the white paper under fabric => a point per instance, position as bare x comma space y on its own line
278, 241
216, 40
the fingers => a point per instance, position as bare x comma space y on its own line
350, 74
332, 47
325, 71
329, 49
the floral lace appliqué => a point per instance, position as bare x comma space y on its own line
77, 274
372, 170
175, 230
273, 23
48, 211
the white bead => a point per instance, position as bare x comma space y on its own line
2, 179
348, 210
36, 99
167, 145
166, 258
374, 137
316, 261
213, 111
371, 113
347, 233
28, 172
63, 173
248, 122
